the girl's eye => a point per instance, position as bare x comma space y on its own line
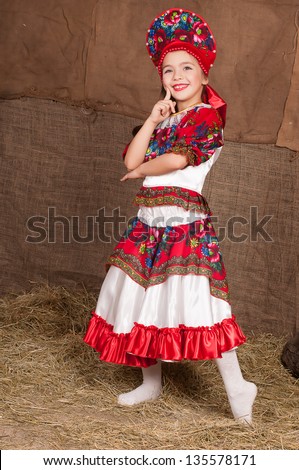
167, 70
187, 67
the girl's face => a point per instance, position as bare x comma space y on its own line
182, 74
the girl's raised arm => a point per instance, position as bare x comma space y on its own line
139, 144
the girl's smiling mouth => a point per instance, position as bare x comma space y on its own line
180, 87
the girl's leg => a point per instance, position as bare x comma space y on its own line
241, 394
149, 390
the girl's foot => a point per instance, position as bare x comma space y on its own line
144, 392
241, 394
149, 390
242, 402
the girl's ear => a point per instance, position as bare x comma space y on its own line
205, 80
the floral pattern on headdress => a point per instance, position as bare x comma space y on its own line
181, 30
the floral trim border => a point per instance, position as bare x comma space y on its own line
171, 195
129, 264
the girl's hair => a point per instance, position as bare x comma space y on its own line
162, 96
135, 130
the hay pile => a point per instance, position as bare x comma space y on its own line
56, 394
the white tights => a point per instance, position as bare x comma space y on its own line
241, 394
150, 389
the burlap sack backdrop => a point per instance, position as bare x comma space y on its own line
93, 51
60, 177
61, 163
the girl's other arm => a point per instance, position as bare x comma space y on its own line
159, 166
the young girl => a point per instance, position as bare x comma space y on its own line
165, 295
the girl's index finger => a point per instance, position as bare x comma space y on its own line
168, 94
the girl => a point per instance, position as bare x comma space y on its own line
165, 295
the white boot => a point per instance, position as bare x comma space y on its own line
149, 390
241, 394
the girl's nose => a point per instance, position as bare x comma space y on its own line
177, 75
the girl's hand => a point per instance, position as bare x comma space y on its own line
133, 174
162, 109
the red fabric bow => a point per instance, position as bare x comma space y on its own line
211, 97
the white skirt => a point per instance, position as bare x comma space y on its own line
173, 320
178, 300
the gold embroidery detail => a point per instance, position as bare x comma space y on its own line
184, 149
151, 196
132, 266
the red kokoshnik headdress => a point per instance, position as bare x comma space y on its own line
176, 30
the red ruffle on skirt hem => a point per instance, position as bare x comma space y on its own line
145, 344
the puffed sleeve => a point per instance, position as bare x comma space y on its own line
198, 135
